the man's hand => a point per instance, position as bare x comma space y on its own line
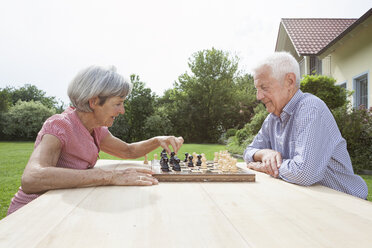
271, 161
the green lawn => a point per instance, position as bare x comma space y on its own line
14, 156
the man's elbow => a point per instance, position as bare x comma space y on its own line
302, 177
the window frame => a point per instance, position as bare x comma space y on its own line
356, 79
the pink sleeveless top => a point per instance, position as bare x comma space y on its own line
79, 148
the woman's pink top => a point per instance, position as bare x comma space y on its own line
79, 148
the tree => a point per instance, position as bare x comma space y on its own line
139, 105
207, 95
5, 99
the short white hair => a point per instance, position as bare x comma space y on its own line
280, 64
96, 81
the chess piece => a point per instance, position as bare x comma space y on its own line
146, 161
190, 164
204, 162
233, 167
199, 162
194, 158
177, 166
164, 164
171, 160
186, 157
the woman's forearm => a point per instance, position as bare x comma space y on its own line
43, 179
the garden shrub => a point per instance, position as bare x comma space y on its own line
356, 127
324, 87
24, 120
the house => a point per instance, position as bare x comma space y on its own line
340, 48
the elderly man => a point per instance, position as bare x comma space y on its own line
299, 141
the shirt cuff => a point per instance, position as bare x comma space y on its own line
248, 154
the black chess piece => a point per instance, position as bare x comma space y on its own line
199, 162
190, 164
177, 166
164, 161
164, 164
186, 157
171, 160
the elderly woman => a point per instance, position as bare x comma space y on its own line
67, 146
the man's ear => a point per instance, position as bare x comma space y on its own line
290, 79
93, 102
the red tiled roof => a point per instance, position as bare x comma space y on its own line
311, 35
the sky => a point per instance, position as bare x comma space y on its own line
46, 42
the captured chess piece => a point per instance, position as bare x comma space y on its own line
199, 162
176, 165
186, 157
190, 164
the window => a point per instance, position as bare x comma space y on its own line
315, 65
361, 91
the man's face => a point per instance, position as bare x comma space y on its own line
271, 92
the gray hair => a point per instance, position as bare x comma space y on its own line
96, 81
281, 63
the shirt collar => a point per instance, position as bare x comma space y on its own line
291, 105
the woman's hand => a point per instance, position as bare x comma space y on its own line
133, 176
165, 141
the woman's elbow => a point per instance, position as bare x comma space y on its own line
30, 183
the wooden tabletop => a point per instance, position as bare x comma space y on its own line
265, 213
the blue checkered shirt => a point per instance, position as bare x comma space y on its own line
312, 148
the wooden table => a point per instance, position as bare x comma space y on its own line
265, 213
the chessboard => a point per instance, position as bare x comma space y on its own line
197, 174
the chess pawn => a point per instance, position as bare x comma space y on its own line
199, 162
190, 164
194, 158
146, 161
186, 157
204, 163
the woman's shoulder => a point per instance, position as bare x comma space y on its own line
63, 120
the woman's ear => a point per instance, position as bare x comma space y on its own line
93, 102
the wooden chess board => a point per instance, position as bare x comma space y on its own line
196, 174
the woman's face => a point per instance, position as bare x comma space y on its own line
105, 114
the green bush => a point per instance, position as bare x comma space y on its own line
356, 127
24, 120
254, 125
324, 87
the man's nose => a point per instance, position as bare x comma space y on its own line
259, 95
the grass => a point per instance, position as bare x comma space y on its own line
368, 179
14, 157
